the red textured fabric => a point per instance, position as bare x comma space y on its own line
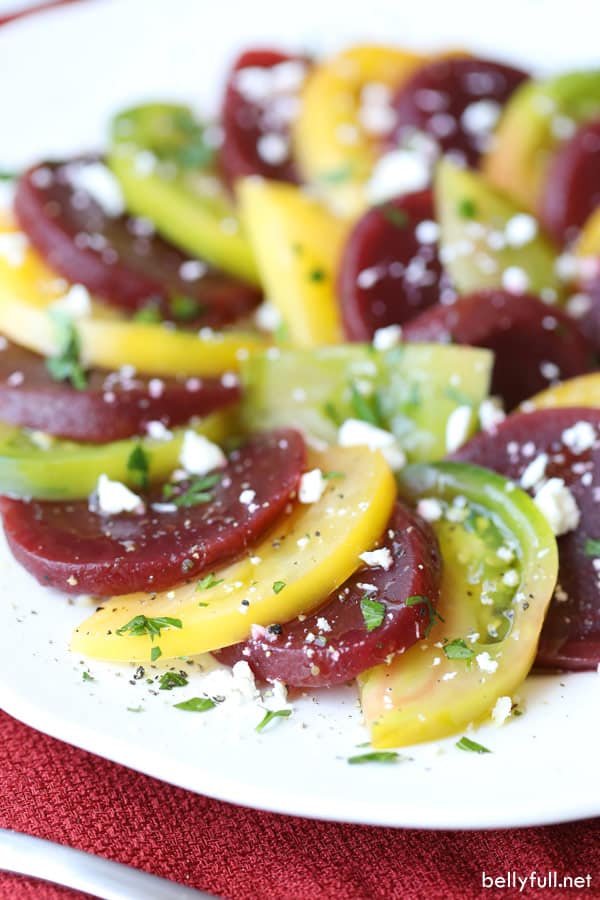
57, 792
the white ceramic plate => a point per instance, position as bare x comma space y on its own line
68, 70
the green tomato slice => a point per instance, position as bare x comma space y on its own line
500, 568
410, 390
46, 468
165, 166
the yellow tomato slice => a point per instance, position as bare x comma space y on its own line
28, 289
297, 243
311, 552
333, 149
581, 391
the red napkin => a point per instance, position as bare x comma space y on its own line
57, 792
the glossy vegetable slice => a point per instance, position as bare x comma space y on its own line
390, 269
111, 407
581, 391
297, 244
29, 290
79, 550
455, 101
411, 390
477, 243
117, 257
36, 465
571, 189
336, 143
261, 99
165, 164
532, 344
570, 439
538, 116
338, 527
361, 623
484, 639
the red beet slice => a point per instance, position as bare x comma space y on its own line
533, 344
455, 101
334, 644
259, 105
572, 184
120, 258
113, 406
390, 269
571, 635
70, 547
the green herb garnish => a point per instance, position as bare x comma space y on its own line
208, 582
329, 475
317, 275
197, 492
416, 600
373, 612
186, 309
333, 413
142, 625
467, 208
366, 407
592, 547
194, 152
66, 364
458, 649
8, 176
466, 743
196, 704
273, 714
137, 464
155, 654
278, 586
135, 709
378, 756
396, 217
150, 314
170, 680
87, 677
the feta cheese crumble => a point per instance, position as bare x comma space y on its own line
556, 502
356, 433
199, 456
312, 486
457, 427
381, 557
580, 437
386, 338
100, 183
502, 710
486, 663
113, 497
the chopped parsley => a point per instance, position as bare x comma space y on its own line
198, 491
278, 586
467, 208
8, 176
378, 756
333, 413
208, 582
592, 547
196, 704
317, 275
273, 714
150, 313
135, 709
416, 600
186, 309
155, 654
142, 625
137, 464
66, 364
366, 407
87, 677
373, 612
396, 217
329, 475
170, 680
458, 649
466, 743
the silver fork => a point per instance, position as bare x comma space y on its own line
27, 855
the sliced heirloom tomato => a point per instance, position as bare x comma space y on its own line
558, 444
546, 342
455, 101
582, 391
390, 270
336, 136
261, 100
117, 257
36, 465
499, 570
411, 391
306, 555
297, 244
486, 241
165, 166
29, 291
361, 623
178, 534
110, 407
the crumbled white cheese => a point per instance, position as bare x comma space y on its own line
515, 280
430, 509
99, 182
192, 269
312, 486
356, 433
267, 317
76, 303
199, 455
556, 502
457, 427
381, 557
535, 471
520, 230
427, 232
491, 413
114, 498
502, 710
486, 663
398, 172
273, 148
158, 432
480, 117
580, 437
511, 578
247, 496
388, 337
13, 247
